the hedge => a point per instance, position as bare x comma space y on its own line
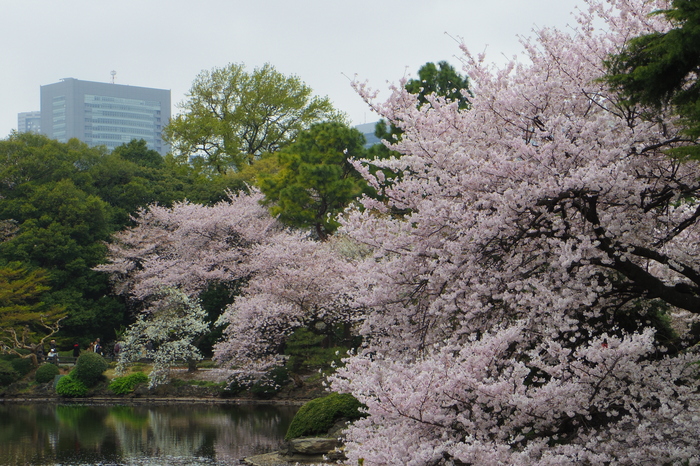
318, 416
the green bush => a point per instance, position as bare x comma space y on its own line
271, 383
7, 373
127, 384
68, 386
22, 365
318, 416
89, 369
46, 373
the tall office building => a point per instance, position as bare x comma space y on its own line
29, 122
104, 114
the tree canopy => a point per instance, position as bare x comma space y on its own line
315, 179
24, 317
61, 202
233, 116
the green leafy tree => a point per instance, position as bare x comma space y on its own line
233, 117
61, 224
63, 229
137, 151
316, 180
661, 69
442, 80
134, 176
25, 320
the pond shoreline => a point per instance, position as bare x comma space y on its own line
151, 400
181, 389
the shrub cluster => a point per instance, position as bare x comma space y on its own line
68, 386
46, 373
23, 366
89, 369
318, 416
7, 373
127, 384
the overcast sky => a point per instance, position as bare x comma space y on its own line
165, 44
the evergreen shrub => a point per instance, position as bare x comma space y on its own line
22, 365
127, 384
46, 373
89, 369
7, 373
70, 387
318, 416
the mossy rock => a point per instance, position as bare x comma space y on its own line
318, 416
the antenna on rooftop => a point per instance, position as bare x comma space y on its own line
113, 73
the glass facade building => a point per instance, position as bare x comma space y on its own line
104, 114
29, 122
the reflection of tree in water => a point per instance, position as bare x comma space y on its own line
192, 434
165, 433
85, 423
24, 433
44, 433
250, 430
225, 432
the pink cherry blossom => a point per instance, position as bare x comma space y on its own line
508, 311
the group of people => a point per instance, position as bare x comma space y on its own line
94, 347
52, 356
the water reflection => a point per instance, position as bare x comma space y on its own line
48, 434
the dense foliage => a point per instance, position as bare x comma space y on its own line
60, 204
126, 384
23, 366
89, 369
25, 319
232, 116
46, 373
315, 180
72, 388
8, 374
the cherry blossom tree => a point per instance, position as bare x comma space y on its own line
188, 246
295, 282
535, 269
182, 250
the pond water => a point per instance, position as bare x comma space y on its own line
176, 434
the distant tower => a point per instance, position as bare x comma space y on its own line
105, 114
113, 73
